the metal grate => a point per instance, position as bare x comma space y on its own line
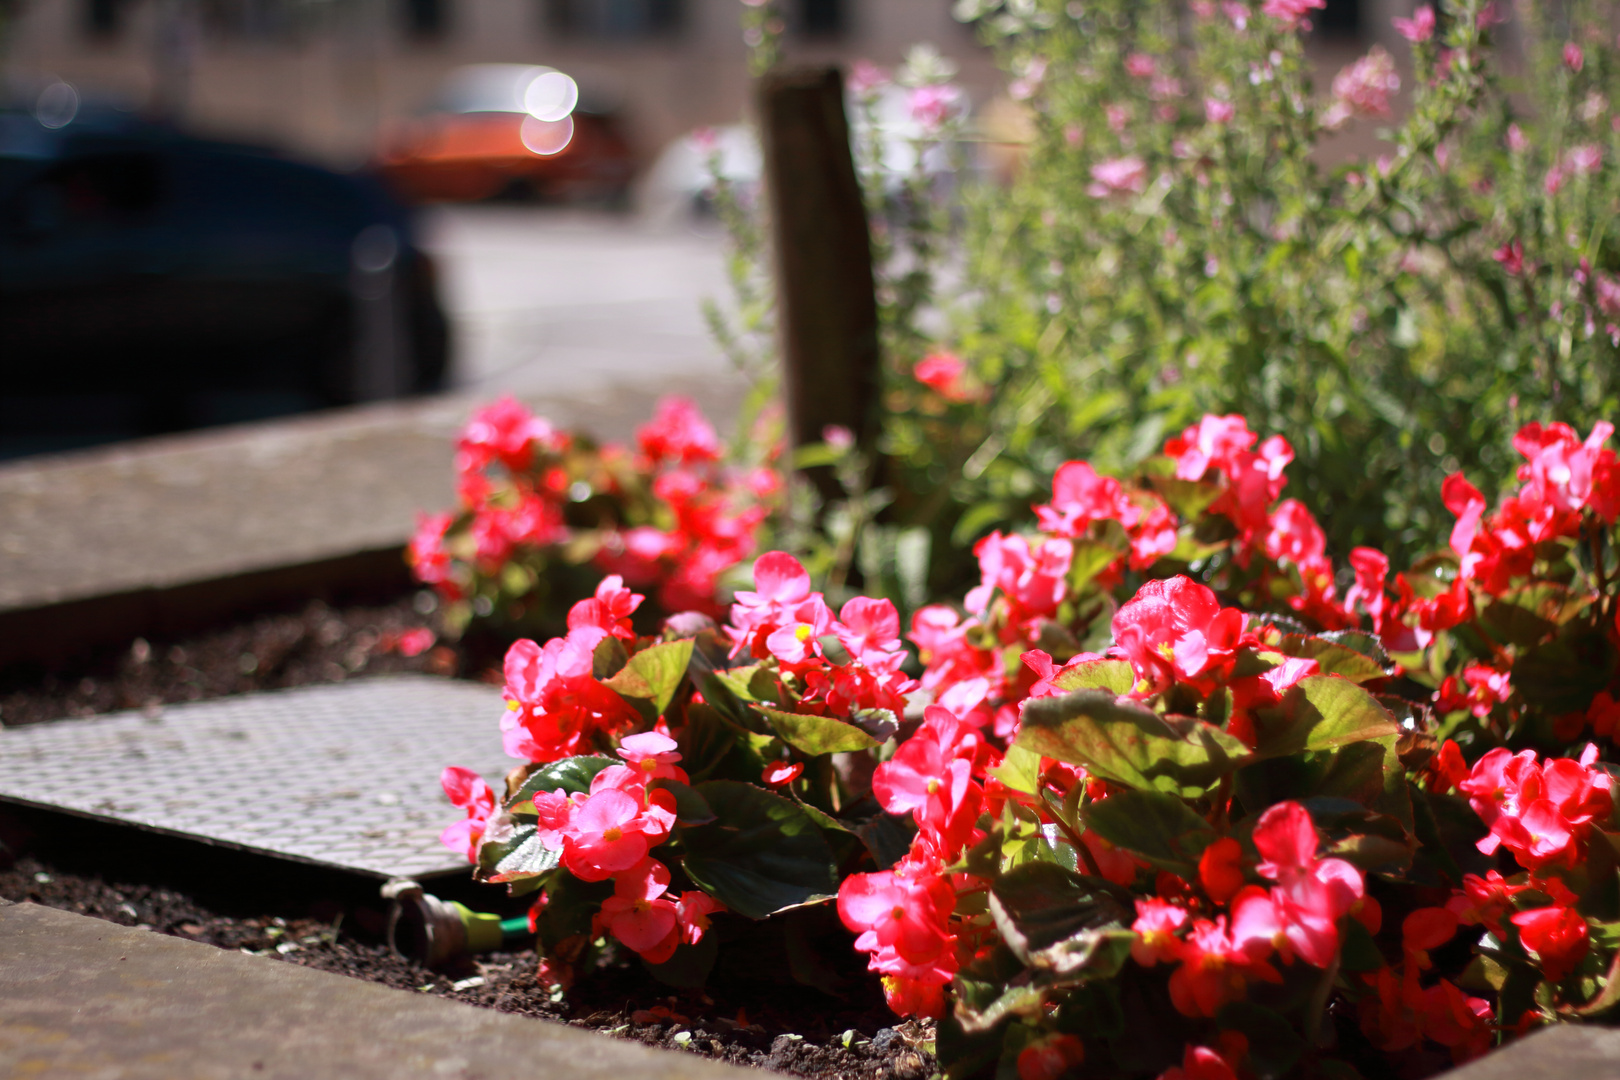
344, 775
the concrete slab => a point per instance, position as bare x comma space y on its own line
83, 997
1565, 1052
344, 776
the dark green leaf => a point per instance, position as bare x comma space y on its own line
762, 853
1044, 913
1274, 1045
816, 735
654, 673
1123, 741
689, 967
690, 807
511, 851
1019, 770
573, 775
1564, 675
886, 836
1160, 828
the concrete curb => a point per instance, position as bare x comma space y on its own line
86, 997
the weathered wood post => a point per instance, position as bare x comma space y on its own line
826, 311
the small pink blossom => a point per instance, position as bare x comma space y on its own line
1141, 66
1420, 27
1217, 111
1583, 159
1364, 88
1292, 13
866, 77
1515, 139
932, 105
1574, 58
1126, 175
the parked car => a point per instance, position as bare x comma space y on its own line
508, 130
151, 281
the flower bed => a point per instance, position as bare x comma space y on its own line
1176, 805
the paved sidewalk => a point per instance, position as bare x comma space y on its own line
83, 997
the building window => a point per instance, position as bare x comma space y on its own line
613, 20
425, 19
821, 18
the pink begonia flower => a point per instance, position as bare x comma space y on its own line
1511, 257
609, 610
1126, 175
693, 909
1294, 535
932, 105
798, 640
1238, 13
653, 756
1560, 470
1464, 500
1141, 66
429, 559
507, 432
1200, 1063
1607, 290
866, 77
1574, 58
869, 627
678, 432
416, 641
1214, 971
1217, 111
1363, 88
1292, 13
1214, 442
1119, 116
943, 373
781, 773
1156, 924
466, 789
1032, 578
1583, 159
605, 835
1175, 629
1553, 181
639, 915
1080, 496
553, 701
1419, 28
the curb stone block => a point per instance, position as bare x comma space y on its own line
84, 997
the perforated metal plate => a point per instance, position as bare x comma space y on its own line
344, 775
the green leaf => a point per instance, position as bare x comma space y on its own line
690, 807
1020, 770
816, 735
1160, 828
1321, 712
1334, 658
762, 854
1530, 613
1130, 744
689, 967
654, 673
1048, 916
1564, 675
511, 851
573, 775
1112, 675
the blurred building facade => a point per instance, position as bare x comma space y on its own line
322, 76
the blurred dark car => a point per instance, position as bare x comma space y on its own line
508, 130
152, 281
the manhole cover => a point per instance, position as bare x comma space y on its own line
344, 775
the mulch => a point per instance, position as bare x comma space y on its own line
782, 1027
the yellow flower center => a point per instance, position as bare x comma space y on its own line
613, 833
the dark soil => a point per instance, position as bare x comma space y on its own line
795, 1031
318, 644
782, 1027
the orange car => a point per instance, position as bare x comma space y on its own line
507, 130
